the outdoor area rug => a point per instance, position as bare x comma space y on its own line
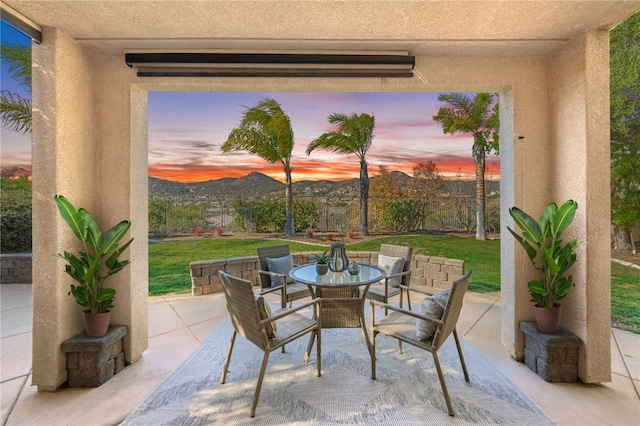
406, 392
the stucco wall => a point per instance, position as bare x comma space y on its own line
64, 162
82, 149
123, 176
580, 166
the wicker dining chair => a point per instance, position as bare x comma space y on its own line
400, 324
291, 290
384, 290
284, 326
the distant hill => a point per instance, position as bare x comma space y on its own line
256, 183
251, 185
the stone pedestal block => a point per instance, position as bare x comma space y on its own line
554, 357
91, 361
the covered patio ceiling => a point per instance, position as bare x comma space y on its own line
422, 27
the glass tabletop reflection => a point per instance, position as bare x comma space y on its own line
307, 274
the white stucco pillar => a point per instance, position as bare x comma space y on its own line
581, 171
121, 143
63, 155
81, 149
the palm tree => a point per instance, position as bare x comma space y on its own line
477, 116
265, 130
353, 136
15, 111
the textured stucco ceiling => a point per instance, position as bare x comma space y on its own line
460, 27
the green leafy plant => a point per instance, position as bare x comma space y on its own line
542, 242
321, 258
99, 259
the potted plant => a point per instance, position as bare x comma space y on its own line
552, 259
92, 266
322, 262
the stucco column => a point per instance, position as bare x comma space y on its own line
62, 154
81, 149
581, 171
121, 142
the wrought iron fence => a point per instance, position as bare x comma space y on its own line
170, 215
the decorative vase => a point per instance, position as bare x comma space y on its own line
548, 319
353, 268
96, 325
322, 268
338, 260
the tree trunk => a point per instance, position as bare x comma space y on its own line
623, 239
364, 199
288, 194
479, 157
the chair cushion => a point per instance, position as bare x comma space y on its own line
432, 307
392, 266
279, 265
265, 312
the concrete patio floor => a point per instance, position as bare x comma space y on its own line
178, 323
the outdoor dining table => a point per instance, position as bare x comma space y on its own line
343, 295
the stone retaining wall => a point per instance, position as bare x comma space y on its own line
15, 268
429, 271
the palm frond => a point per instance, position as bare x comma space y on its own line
467, 115
354, 135
265, 130
18, 58
15, 112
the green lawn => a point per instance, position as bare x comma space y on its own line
482, 257
169, 265
169, 261
625, 298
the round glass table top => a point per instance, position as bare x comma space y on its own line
307, 274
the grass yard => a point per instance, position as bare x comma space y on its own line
482, 257
625, 298
169, 261
169, 265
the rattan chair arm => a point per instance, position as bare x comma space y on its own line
405, 312
281, 314
389, 277
272, 274
416, 290
399, 274
282, 286
271, 289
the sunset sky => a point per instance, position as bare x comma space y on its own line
187, 129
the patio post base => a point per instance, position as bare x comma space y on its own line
554, 356
91, 361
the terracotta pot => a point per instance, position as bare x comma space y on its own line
322, 268
96, 325
548, 319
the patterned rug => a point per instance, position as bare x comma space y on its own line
406, 392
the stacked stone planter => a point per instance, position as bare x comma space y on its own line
91, 361
554, 357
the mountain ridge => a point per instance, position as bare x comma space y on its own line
259, 184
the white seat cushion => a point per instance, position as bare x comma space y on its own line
391, 266
432, 307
